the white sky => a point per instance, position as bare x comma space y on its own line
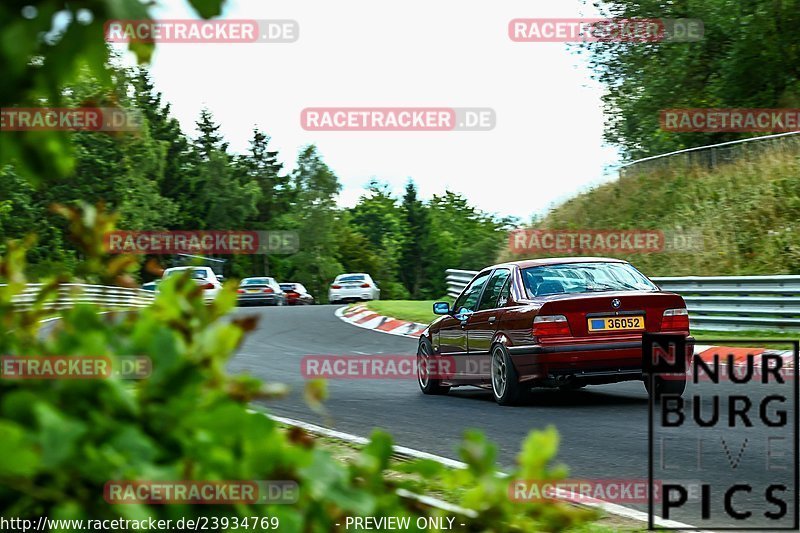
547, 144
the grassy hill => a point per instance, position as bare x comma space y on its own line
748, 213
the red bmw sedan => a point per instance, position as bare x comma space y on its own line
557, 322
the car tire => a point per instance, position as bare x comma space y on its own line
666, 387
426, 384
504, 378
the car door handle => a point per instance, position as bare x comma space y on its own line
492, 319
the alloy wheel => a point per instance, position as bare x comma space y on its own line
499, 373
423, 359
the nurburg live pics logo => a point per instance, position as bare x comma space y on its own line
738, 435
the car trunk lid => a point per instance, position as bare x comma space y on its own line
587, 313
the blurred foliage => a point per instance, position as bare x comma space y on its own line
45, 46
62, 440
486, 492
749, 57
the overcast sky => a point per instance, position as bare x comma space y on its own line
547, 144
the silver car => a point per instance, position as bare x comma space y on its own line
261, 290
352, 287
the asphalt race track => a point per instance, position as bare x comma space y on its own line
604, 429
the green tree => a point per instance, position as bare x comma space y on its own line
210, 139
463, 237
353, 249
175, 179
314, 217
749, 57
221, 195
262, 166
415, 255
379, 218
229, 198
39, 60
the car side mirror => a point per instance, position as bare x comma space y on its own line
220, 278
441, 308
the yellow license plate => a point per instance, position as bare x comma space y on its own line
616, 323
252, 290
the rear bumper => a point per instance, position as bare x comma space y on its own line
341, 296
259, 298
210, 294
537, 350
594, 363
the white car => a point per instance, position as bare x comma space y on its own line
203, 276
351, 287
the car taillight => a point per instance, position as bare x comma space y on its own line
240, 291
208, 286
551, 326
268, 290
365, 285
336, 286
675, 319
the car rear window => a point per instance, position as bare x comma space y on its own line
354, 277
287, 286
194, 274
584, 277
257, 281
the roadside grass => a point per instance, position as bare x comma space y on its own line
346, 452
413, 310
746, 211
702, 336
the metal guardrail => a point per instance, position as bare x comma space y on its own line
457, 280
730, 303
716, 154
722, 303
69, 294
